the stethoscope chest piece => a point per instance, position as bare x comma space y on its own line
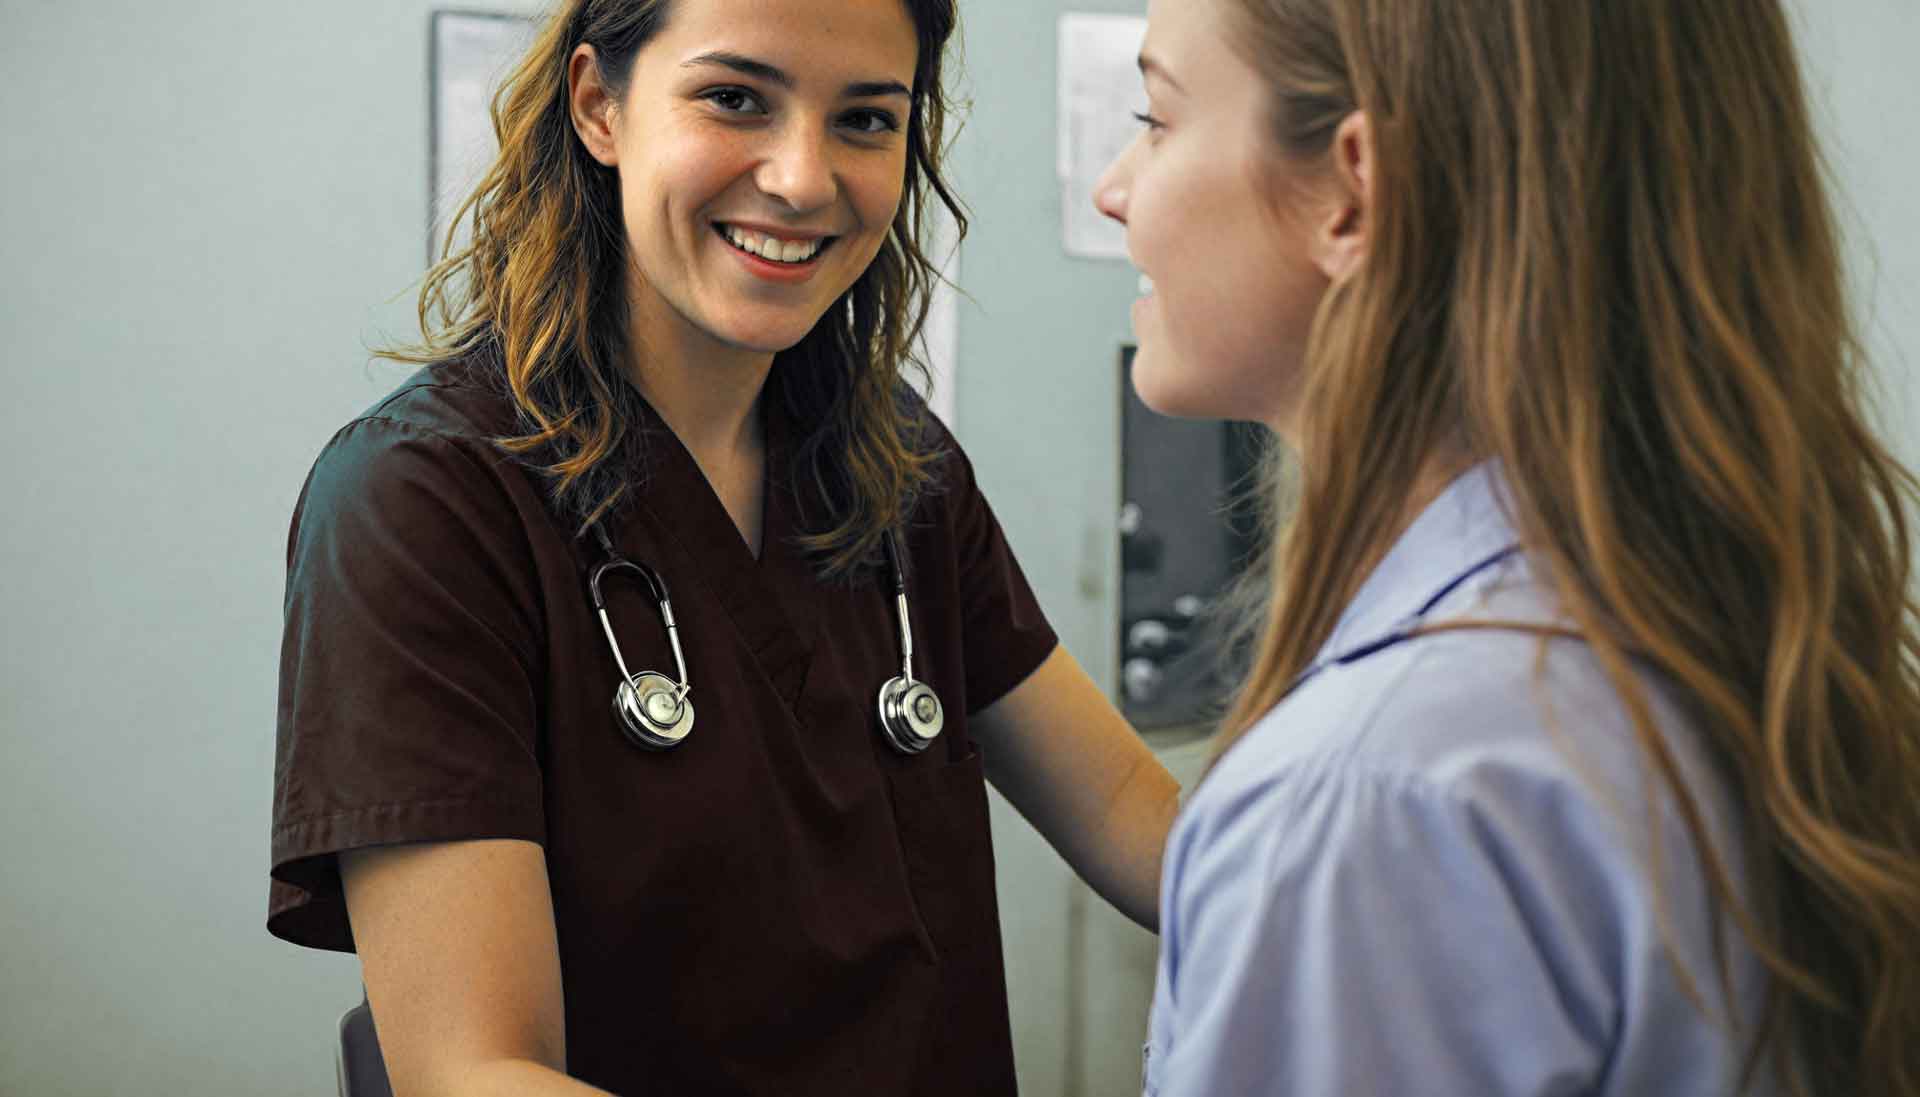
654, 710
910, 715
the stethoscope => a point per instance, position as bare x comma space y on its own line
655, 711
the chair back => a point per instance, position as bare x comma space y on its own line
361, 1069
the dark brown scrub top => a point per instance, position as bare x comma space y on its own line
782, 904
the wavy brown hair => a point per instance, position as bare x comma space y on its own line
1602, 254
537, 294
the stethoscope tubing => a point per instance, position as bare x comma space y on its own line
659, 588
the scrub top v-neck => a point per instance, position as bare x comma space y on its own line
782, 904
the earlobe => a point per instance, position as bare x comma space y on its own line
1346, 231
1342, 243
591, 107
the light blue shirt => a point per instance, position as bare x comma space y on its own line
1431, 870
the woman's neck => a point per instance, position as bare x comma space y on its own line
709, 396
707, 392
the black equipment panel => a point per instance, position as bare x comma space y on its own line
1187, 529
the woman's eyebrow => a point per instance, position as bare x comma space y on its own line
1151, 66
748, 66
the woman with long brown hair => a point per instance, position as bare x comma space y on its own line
647, 649
1580, 752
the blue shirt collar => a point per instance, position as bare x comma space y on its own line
1463, 526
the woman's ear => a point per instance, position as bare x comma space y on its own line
592, 106
1342, 233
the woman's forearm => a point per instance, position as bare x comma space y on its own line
1068, 761
519, 1078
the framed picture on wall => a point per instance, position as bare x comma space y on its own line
469, 54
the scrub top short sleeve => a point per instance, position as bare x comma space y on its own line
407, 706
1005, 635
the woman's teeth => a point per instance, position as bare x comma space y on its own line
766, 247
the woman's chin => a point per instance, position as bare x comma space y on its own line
1246, 388
1170, 390
765, 335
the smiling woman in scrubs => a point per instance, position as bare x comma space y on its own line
676, 341
1581, 746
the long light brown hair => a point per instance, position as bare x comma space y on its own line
1602, 254
538, 294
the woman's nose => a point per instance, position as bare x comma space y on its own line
1111, 191
798, 171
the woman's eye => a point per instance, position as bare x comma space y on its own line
871, 122
1148, 120
734, 100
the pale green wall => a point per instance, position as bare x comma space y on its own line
206, 206
1038, 410
209, 210
1863, 64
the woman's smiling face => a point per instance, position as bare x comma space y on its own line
1230, 231
761, 147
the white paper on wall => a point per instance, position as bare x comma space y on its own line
472, 54
1100, 91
